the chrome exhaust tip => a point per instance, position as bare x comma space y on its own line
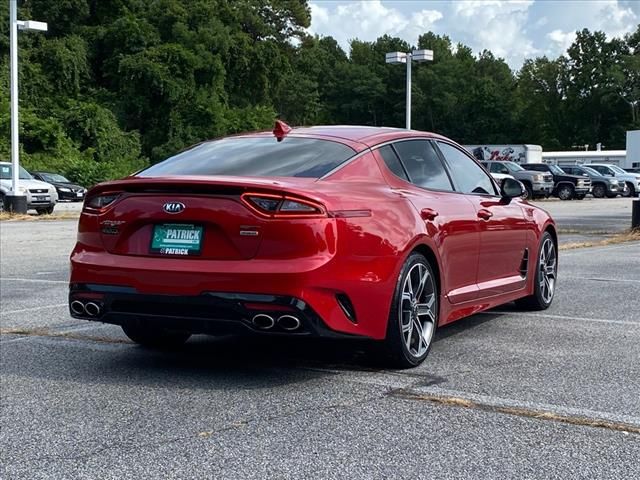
77, 307
263, 321
289, 323
92, 309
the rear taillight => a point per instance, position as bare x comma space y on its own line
275, 206
97, 203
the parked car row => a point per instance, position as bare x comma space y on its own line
601, 186
43, 190
535, 184
568, 182
565, 186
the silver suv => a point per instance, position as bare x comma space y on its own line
537, 184
631, 180
41, 196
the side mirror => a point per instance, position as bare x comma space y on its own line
512, 188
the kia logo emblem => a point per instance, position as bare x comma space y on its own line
173, 207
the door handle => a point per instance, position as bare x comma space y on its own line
484, 214
428, 214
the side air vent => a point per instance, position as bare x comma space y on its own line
347, 307
524, 264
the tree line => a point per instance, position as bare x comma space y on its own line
117, 84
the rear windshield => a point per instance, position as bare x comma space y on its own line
255, 157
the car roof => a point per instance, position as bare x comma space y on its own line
356, 136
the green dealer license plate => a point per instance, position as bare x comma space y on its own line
176, 239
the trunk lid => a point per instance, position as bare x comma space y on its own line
198, 217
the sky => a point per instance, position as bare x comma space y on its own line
511, 29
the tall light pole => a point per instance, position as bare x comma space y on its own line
408, 58
17, 200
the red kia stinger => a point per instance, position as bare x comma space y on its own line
335, 231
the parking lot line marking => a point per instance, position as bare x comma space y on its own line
562, 317
35, 280
599, 279
31, 309
576, 251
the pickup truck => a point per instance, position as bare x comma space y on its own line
536, 184
565, 186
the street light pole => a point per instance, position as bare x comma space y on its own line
408, 58
407, 114
17, 200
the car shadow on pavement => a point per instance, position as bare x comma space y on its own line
466, 324
210, 362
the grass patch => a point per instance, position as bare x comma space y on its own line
628, 236
45, 332
452, 401
19, 217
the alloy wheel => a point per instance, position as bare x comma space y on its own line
565, 193
599, 191
547, 270
418, 310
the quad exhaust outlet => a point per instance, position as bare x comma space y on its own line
288, 323
89, 309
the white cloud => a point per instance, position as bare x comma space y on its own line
562, 40
608, 16
617, 20
368, 20
496, 25
514, 30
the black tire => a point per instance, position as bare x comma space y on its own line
631, 190
599, 190
544, 288
580, 197
528, 192
154, 337
410, 351
565, 192
2, 204
45, 211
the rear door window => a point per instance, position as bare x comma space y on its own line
424, 167
255, 157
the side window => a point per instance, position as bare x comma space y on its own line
392, 161
423, 165
537, 168
497, 167
468, 176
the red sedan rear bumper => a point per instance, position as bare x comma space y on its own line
329, 296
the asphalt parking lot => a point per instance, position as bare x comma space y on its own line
505, 394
